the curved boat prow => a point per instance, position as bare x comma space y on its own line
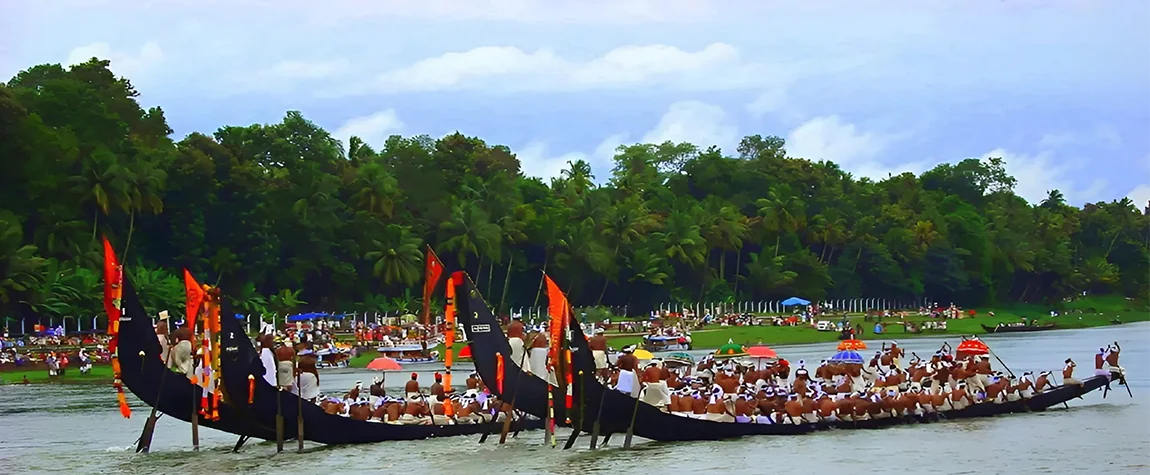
171, 393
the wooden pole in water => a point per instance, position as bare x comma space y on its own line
196, 417
634, 415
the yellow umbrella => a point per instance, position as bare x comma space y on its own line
643, 354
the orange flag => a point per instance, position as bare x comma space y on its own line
195, 298
560, 316
432, 271
113, 293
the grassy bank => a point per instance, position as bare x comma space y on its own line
100, 374
1084, 313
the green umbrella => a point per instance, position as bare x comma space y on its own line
681, 358
731, 350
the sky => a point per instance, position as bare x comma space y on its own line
1058, 88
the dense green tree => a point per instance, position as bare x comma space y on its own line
287, 217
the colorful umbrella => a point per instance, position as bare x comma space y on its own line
730, 350
973, 346
643, 354
846, 356
852, 344
762, 352
681, 358
384, 363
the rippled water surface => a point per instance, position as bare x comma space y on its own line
78, 429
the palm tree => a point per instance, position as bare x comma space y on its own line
626, 223
398, 256
470, 232
376, 189
104, 183
147, 183
781, 212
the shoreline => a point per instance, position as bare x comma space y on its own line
706, 339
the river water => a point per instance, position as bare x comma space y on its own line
78, 429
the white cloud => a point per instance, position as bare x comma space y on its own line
374, 129
696, 122
718, 66
1038, 173
128, 64
1140, 195
535, 159
830, 138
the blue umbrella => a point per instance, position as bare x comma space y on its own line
846, 356
795, 301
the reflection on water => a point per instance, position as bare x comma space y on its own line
78, 429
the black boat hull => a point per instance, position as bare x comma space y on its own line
145, 375
487, 340
240, 359
1019, 329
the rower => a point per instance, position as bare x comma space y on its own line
1111, 357
537, 357
1099, 360
598, 346
436, 388
717, 407
377, 389
285, 368
473, 381
354, 393
627, 364
896, 353
515, 333
656, 387
1043, 382
267, 357
181, 358
162, 335
1068, 374
308, 374
411, 388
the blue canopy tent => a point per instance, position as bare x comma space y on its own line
795, 301
312, 316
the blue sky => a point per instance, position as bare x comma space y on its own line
1059, 88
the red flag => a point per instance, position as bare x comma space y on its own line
433, 270
195, 298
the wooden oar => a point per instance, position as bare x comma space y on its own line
579, 424
145, 440
595, 426
279, 419
514, 393
634, 415
299, 408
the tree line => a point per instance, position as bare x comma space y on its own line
286, 217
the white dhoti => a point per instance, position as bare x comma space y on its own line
1070, 381
810, 417
163, 347
181, 358
761, 419
1026, 393
1012, 396
657, 394
626, 384
1102, 372
284, 373
537, 362
600, 358
719, 417
516, 350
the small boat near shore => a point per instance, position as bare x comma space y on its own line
1021, 327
